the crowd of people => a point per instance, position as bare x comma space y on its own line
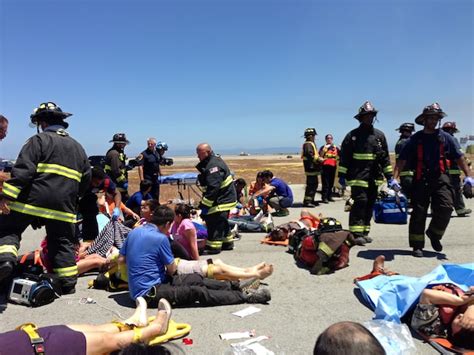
156, 251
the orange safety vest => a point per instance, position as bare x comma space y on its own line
330, 155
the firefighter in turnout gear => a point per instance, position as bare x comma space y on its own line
312, 163
427, 153
50, 174
455, 175
116, 164
219, 197
364, 163
406, 176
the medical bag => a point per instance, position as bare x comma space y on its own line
391, 210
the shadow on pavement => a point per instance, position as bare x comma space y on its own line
123, 299
390, 254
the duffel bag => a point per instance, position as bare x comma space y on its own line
388, 210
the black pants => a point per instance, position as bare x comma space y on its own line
328, 175
89, 210
61, 241
155, 186
311, 187
458, 202
362, 209
438, 192
218, 231
406, 183
189, 289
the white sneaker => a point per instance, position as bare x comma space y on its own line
259, 216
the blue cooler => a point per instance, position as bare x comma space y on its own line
387, 210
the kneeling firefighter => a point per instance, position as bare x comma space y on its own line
45, 184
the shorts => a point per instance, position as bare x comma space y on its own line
426, 319
191, 267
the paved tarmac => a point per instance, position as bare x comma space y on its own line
302, 305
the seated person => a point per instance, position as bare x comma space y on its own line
242, 193
280, 196
150, 265
254, 205
347, 338
183, 230
92, 339
107, 205
135, 201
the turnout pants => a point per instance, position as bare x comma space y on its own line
311, 187
328, 175
362, 209
89, 211
458, 202
406, 183
188, 289
61, 241
439, 193
218, 232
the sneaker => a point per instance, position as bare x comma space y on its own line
367, 239
417, 253
258, 217
435, 241
281, 213
360, 241
249, 284
463, 212
262, 295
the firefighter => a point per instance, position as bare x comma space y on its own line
455, 175
406, 176
219, 197
427, 153
116, 164
312, 167
330, 155
364, 162
45, 183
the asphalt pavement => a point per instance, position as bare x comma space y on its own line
302, 305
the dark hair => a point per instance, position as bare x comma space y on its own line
267, 174
241, 182
3, 119
98, 173
183, 210
145, 185
328, 135
142, 349
347, 338
463, 338
153, 204
259, 174
162, 215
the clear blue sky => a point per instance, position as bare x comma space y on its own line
239, 74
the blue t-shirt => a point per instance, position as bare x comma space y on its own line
431, 149
135, 201
281, 188
147, 252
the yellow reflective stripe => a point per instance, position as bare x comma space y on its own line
356, 228
107, 167
416, 237
207, 202
10, 190
222, 207
59, 170
216, 244
388, 169
121, 178
407, 173
454, 171
4, 249
42, 212
229, 238
366, 228
360, 183
379, 182
227, 182
325, 248
363, 156
66, 271
312, 173
342, 169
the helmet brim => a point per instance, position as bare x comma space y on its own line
420, 119
124, 142
359, 115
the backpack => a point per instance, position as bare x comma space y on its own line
31, 263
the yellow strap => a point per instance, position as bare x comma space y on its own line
137, 335
35, 339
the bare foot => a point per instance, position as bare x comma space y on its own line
266, 271
379, 264
139, 318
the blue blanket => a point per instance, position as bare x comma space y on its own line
392, 296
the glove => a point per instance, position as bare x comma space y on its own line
125, 186
342, 181
469, 181
394, 185
467, 187
204, 210
115, 214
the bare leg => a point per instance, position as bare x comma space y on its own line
91, 262
223, 271
379, 264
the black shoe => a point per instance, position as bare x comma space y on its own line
463, 212
262, 295
309, 205
435, 241
367, 239
325, 200
360, 241
228, 246
209, 251
6, 269
249, 284
417, 253
68, 290
316, 268
330, 199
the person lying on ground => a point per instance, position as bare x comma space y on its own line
249, 223
135, 201
152, 270
183, 230
92, 339
347, 338
307, 221
280, 196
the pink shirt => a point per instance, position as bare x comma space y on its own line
177, 231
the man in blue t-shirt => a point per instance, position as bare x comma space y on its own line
152, 269
427, 153
279, 194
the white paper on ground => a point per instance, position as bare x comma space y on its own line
252, 345
246, 311
237, 335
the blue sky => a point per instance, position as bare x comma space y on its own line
238, 74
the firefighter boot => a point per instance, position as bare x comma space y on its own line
6, 269
435, 241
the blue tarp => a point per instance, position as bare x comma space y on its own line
181, 178
392, 296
